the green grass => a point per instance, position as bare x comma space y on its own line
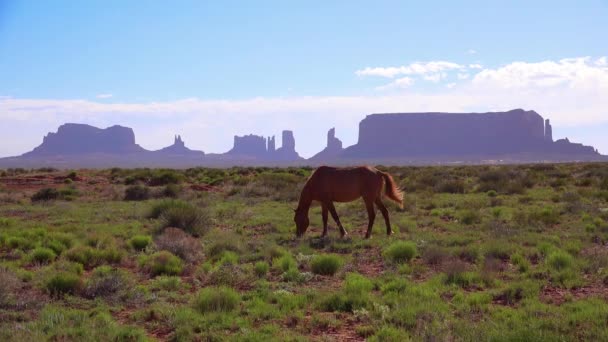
487, 252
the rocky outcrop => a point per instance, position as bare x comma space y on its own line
453, 135
249, 145
332, 150
179, 149
83, 139
260, 148
287, 151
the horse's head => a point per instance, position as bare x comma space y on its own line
301, 219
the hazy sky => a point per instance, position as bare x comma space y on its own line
210, 70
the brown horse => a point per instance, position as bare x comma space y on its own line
329, 184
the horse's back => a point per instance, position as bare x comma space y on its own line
345, 184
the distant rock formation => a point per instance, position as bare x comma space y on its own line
257, 147
249, 145
287, 151
454, 135
332, 150
548, 131
179, 148
82, 139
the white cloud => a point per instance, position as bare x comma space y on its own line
472, 51
400, 83
104, 96
417, 68
463, 76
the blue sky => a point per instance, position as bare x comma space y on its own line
199, 68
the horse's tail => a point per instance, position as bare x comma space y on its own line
391, 189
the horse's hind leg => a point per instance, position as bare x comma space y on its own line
334, 214
384, 212
324, 214
371, 215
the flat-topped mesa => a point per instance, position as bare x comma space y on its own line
438, 135
331, 150
179, 148
249, 145
82, 139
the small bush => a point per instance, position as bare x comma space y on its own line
325, 264
179, 243
285, 263
63, 283
42, 255
216, 299
470, 217
189, 219
456, 274
165, 178
559, 260
8, 285
171, 191
261, 268
434, 255
523, 265
140, 242
104, 282
163, 263
137, 193
401, 251
390, 334
46, 194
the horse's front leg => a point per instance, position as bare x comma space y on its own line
324, 215
371, 215
334, 214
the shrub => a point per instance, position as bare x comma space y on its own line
523, 265
216, 299
559, 260
456, 274
450, 186
46, 194
62, 283
171, 191
183, 215
285, 263
434, 255
470, 217
140, 242
104, 282
325, 264
179, 243
390, 334
261, 268
165, 177
223, 241
189, 219
42, 255
163, 263
401, 251
137, 193
8, 285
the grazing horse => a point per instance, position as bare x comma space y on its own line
330, 184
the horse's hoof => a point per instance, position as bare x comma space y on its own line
390, 233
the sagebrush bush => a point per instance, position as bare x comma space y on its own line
326, 264
434, 255
63, 283
105, 281
140, 242
182, 215
559, 260
137, 193
261, 268
285, 263
401, 251
8, 285
163, 263
216, 299
42, 255
179, 243
171, 191
46, 194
